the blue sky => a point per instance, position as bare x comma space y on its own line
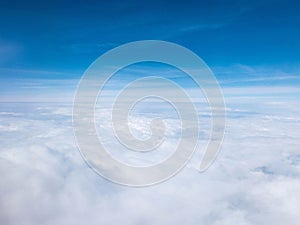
242, 41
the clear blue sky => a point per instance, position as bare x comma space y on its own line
59, 39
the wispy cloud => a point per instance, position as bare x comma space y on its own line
201, 27
9, 51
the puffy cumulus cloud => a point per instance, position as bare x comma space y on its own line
255, 179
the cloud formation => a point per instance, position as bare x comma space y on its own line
255, 179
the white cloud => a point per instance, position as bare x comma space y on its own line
255, 179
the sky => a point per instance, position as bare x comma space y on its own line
253, 49
60, 39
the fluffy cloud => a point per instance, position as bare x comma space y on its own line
255, 179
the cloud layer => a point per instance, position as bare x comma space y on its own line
255, 179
